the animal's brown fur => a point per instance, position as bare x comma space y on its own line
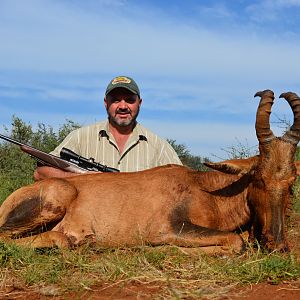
165, 205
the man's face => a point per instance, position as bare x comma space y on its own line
122, 107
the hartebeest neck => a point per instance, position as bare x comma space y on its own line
226, 196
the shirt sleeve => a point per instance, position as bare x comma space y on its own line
168, 155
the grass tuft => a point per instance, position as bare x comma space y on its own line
179, 275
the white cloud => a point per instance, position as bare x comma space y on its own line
204, 139
283, 3
68, 50
215, 10
66, 39
271, 10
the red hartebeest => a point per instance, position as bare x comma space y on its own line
166, 205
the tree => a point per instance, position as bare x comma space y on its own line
189, 160
16, 167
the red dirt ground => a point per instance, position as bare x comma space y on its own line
136, 291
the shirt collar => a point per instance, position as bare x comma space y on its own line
137, 133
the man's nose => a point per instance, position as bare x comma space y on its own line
123, 104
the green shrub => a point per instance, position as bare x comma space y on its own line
17, 167
192, 161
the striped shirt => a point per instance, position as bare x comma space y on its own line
143, 149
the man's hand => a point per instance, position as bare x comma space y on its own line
48, 172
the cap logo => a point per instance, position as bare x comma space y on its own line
121, 79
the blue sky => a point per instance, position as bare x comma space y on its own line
198, 63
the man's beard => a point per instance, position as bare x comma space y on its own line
123, 122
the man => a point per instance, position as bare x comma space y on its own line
119, 142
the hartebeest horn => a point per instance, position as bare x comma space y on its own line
262, 125
293, 134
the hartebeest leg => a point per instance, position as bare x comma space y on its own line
35, 206
211, 241
47, 239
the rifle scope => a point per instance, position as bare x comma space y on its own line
81, 161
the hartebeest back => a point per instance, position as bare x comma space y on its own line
167, 205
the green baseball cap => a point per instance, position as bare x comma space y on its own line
123, 82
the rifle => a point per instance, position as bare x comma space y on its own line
68, 161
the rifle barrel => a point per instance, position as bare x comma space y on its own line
71, 161
4, 137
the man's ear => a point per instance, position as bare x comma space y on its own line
105, 102
234, 166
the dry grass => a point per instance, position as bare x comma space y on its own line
177, 274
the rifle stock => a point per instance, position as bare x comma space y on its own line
81, 165
51, 160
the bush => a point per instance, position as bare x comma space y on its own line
189, 160
17, 167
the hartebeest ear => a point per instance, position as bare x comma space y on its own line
297, 164
235, 166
